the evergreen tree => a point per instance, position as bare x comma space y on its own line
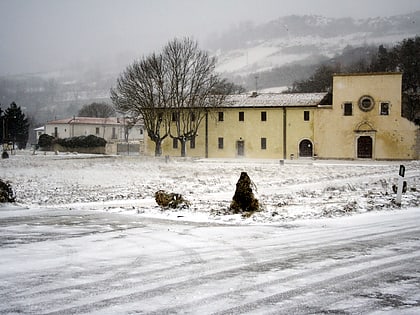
404, 58
16, 126
408, 55
1, 126
320, 81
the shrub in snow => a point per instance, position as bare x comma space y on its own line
244, 200
90, 141
170, 200
6, 192
45, 141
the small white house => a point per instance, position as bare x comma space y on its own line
121, 135
39, 131
112, 129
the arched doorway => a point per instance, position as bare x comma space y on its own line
306, 148
364, 147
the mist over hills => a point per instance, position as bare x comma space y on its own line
278, 53
289, 27
301, 42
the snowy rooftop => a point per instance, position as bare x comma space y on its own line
88, 120
275, 100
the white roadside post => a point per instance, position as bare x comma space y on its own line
400, 184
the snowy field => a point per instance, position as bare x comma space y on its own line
300, 189
86, 237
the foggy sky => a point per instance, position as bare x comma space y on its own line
46, 35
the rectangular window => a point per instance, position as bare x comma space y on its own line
385, 109
241, 116
175, 116
220, 143
192, 143
263, 143
174, 143
348, 109
306, 115
221, 118
263, 116
97, 131
114, 134
56, 132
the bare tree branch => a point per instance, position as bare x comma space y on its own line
179, 83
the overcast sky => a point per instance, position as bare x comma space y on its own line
45, 35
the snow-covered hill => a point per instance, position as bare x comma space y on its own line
248, 49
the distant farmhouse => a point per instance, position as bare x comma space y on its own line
118, 132
360, 120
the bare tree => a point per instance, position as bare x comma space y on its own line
172, 91
100, 110
194, 88
141, 93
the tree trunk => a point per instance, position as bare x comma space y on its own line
183, 147
158, 147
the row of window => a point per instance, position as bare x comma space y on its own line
220, 143
383, 110
306, 116
263, 143
348, 111
97, 132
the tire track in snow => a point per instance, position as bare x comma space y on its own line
349, 279
275, 246
306, 258
189, 284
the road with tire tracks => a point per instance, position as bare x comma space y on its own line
92, 262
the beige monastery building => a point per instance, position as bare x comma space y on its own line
362, 120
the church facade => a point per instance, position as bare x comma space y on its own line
360, 120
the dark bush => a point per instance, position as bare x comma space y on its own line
90, 141
244, 200
6, 192
45, 141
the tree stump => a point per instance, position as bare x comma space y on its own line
6, 192
244, 200
170, 200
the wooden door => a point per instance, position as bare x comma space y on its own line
364, 147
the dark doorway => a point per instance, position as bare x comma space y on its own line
241, 147
364, 147
305, 148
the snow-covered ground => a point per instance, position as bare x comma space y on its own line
86, 237
91, 262
298, 189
